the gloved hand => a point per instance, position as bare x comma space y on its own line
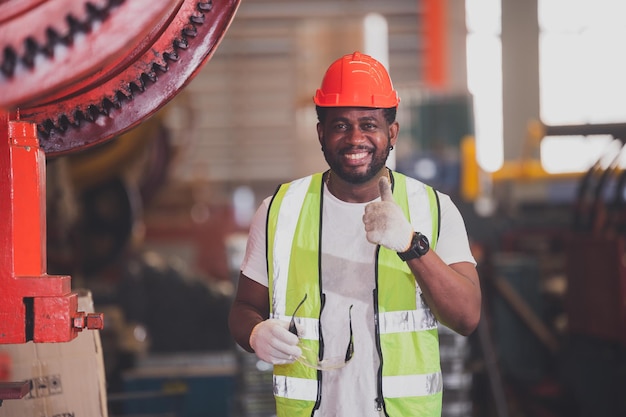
273, 343
385, 223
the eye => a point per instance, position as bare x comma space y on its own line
340, 126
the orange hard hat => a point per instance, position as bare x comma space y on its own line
356, 80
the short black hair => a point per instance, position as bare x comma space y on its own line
389, 114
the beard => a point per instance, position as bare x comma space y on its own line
379, 159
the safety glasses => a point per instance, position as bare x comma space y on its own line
310, 358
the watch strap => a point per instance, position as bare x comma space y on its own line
419, 247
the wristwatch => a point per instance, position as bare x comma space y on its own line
419, 246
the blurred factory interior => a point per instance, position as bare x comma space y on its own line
513, 108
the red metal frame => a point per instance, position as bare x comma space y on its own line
33, 305
105, 86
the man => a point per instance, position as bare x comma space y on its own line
347, 272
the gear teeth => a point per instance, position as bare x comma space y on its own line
190, 31
137, 86
149, 77
73, 25
126, 93
76, 26
92, 113
113, 102
32, 48
107, 105
206, 6
78, 117
171, 56
99, 10
95, 13
46, 127
63, 123
160, 66
9, 62
181, 43
52, 38
120, 97
196, 19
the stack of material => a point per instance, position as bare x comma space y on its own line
254, 396
457, 380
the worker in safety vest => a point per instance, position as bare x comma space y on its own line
348, 272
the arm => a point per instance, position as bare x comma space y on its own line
249, 320
250, 307
451, 291
268, 338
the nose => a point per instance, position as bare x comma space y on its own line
356, 136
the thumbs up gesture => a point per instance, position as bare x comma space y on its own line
385, 223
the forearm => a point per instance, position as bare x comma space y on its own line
451, 291
250, 307
241, 321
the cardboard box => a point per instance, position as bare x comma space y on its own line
67, 379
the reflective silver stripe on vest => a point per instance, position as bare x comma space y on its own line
412, 385
285, 232
308, 328
407, 321
295, 388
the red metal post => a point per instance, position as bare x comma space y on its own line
435, 42
33, 305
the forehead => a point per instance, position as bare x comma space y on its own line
354, 113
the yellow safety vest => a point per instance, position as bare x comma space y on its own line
409, 376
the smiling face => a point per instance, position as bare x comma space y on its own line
356, 142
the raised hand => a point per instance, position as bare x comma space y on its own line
385, 223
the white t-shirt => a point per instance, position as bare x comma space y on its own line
348, 279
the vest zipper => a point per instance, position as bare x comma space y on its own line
318, 399
380, 401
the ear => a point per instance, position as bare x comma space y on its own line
320, 133
394, 128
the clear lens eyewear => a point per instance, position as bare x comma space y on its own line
311, 359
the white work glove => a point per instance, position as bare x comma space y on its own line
385, 223
274, 343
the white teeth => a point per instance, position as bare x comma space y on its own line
356, 155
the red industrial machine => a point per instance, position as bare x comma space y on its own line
74, 74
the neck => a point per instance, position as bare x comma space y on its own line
355, 193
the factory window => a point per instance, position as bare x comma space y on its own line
484, 79
582, 78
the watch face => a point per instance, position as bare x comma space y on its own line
422, 244
419, 247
